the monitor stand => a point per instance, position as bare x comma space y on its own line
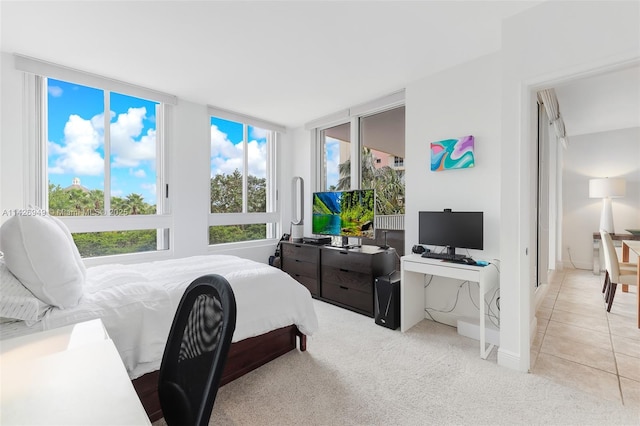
344, 243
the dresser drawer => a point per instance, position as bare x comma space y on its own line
348, 296
300, 252
299, 267
309, 282
347, 278
343, 259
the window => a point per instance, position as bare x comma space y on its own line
382, 159
242, 202
336, 169
91, 172
374, 160
98, 158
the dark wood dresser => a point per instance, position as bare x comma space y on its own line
302, 262
344, 277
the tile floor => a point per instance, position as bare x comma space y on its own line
579, 344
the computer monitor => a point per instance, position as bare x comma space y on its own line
451, 229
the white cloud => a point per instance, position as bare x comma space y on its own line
332, 161
257, 158
140, 173
129, 152
55, 91
149, 187
78, 154
258, 133
225, 155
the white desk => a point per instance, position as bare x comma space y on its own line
71, 375
413, 268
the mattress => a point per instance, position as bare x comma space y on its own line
137, 304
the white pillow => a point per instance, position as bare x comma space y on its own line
40, 252
16, 302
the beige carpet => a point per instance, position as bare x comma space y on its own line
358, 373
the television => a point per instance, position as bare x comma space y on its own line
451, 229
344, 213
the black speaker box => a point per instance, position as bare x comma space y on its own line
387, 300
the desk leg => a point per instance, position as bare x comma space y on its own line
484, 351
411, 299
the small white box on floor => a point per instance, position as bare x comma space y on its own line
469, 327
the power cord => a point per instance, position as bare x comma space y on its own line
570, 259
494, 318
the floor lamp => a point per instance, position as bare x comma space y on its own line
607, 188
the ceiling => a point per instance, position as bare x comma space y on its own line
601, 103
288, 62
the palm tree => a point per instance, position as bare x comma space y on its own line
79, 200
135, 203
388, 183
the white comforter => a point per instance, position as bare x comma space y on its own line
137, 303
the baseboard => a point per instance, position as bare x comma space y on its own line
470, 327
511, 360
533, 330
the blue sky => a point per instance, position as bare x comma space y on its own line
227, 149
332, 153
76, 140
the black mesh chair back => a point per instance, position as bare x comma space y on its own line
196, 351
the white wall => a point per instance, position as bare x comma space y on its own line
463, 100
11, 175
188, 164
605, 154
541, 47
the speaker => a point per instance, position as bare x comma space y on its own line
387, 300
418, 249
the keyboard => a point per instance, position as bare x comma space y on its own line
444, 256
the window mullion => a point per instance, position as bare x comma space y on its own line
245, 168
107, 152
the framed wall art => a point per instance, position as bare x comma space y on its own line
452, 154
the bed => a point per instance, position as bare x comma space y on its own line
137, 303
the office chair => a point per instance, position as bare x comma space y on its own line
615, 274
196, 351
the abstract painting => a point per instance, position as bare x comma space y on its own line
452, 154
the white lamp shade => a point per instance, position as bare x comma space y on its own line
607, 188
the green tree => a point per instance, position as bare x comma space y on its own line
388, 183
77, 202
226, 197
134, 203
226, 193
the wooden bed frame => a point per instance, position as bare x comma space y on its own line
244, 356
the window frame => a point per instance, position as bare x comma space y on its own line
351, 115
272, 216
36, 73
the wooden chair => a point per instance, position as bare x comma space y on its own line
614, 274
196, 351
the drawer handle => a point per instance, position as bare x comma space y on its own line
344, 288
344, 270
297, 246
343, 252
297, 260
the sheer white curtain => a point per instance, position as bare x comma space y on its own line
550, 102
